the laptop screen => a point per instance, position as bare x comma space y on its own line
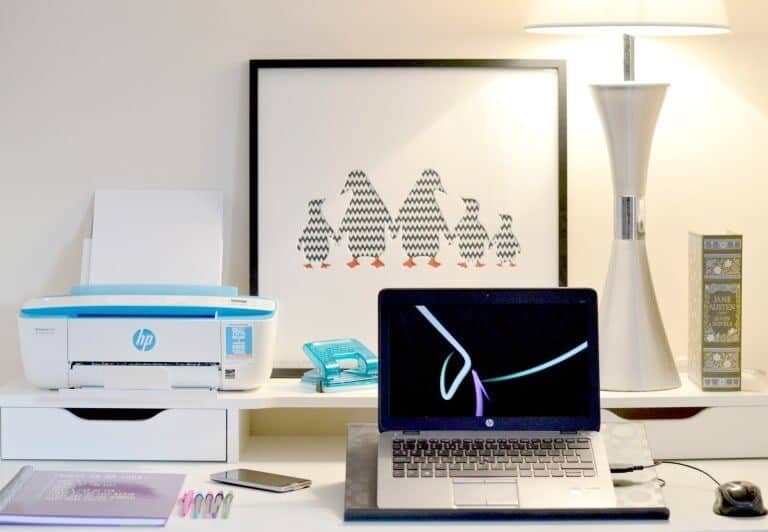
521, 359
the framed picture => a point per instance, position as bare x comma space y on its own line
371, 174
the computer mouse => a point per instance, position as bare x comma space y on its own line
738, 498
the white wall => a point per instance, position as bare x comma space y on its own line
153, 93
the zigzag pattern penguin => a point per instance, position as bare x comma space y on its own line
365, 220
473, 238
422, 221
313, 241
507, 245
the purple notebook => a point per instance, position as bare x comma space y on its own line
88, 498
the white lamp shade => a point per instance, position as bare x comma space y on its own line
633, 17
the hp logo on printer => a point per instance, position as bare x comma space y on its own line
144, 340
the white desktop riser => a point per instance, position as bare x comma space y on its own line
218, 435
35, 424
717, 432
58, 434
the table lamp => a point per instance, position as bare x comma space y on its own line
634, 350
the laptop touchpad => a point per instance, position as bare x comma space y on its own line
485, 492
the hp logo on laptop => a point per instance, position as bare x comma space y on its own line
144, 340
489, 423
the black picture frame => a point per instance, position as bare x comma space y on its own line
557, 65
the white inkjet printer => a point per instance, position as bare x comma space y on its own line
148, 336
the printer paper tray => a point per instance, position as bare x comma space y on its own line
144, 376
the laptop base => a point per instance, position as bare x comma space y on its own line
639, 496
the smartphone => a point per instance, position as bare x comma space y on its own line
261, 480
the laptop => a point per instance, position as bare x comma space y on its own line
490, 399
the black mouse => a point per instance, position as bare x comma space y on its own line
738, 498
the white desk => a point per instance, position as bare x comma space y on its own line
689, 494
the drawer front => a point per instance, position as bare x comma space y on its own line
106, 434
709, 433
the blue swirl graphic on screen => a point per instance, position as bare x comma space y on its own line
480, 391
448, 395
541, 367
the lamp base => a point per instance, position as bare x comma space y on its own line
634, 350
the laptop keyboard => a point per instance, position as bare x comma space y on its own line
441, 458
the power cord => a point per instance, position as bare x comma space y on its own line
628, 468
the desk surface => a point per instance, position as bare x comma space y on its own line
689, 494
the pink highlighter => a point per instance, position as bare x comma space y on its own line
186, 502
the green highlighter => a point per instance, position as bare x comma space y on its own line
227, 505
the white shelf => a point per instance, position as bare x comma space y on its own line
278, 393
289, 393
754, 393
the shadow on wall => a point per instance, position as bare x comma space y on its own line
308, 421
10, 360
235, 183
64, 274
69, 259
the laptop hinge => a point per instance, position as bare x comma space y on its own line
411, 432
569, 432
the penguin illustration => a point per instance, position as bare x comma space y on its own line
313, 241
365, 220
507, 245
472, 236
421, 220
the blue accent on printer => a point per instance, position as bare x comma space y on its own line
129, 311
239, 340
144, 340
152, 290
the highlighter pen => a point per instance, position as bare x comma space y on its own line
227, 505
187, 501
198, 505
207, 505
217, 500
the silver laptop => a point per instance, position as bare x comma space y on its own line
490, 398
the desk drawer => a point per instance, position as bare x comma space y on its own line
718, 432
182, 434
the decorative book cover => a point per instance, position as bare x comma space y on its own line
88, 498
714, 343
